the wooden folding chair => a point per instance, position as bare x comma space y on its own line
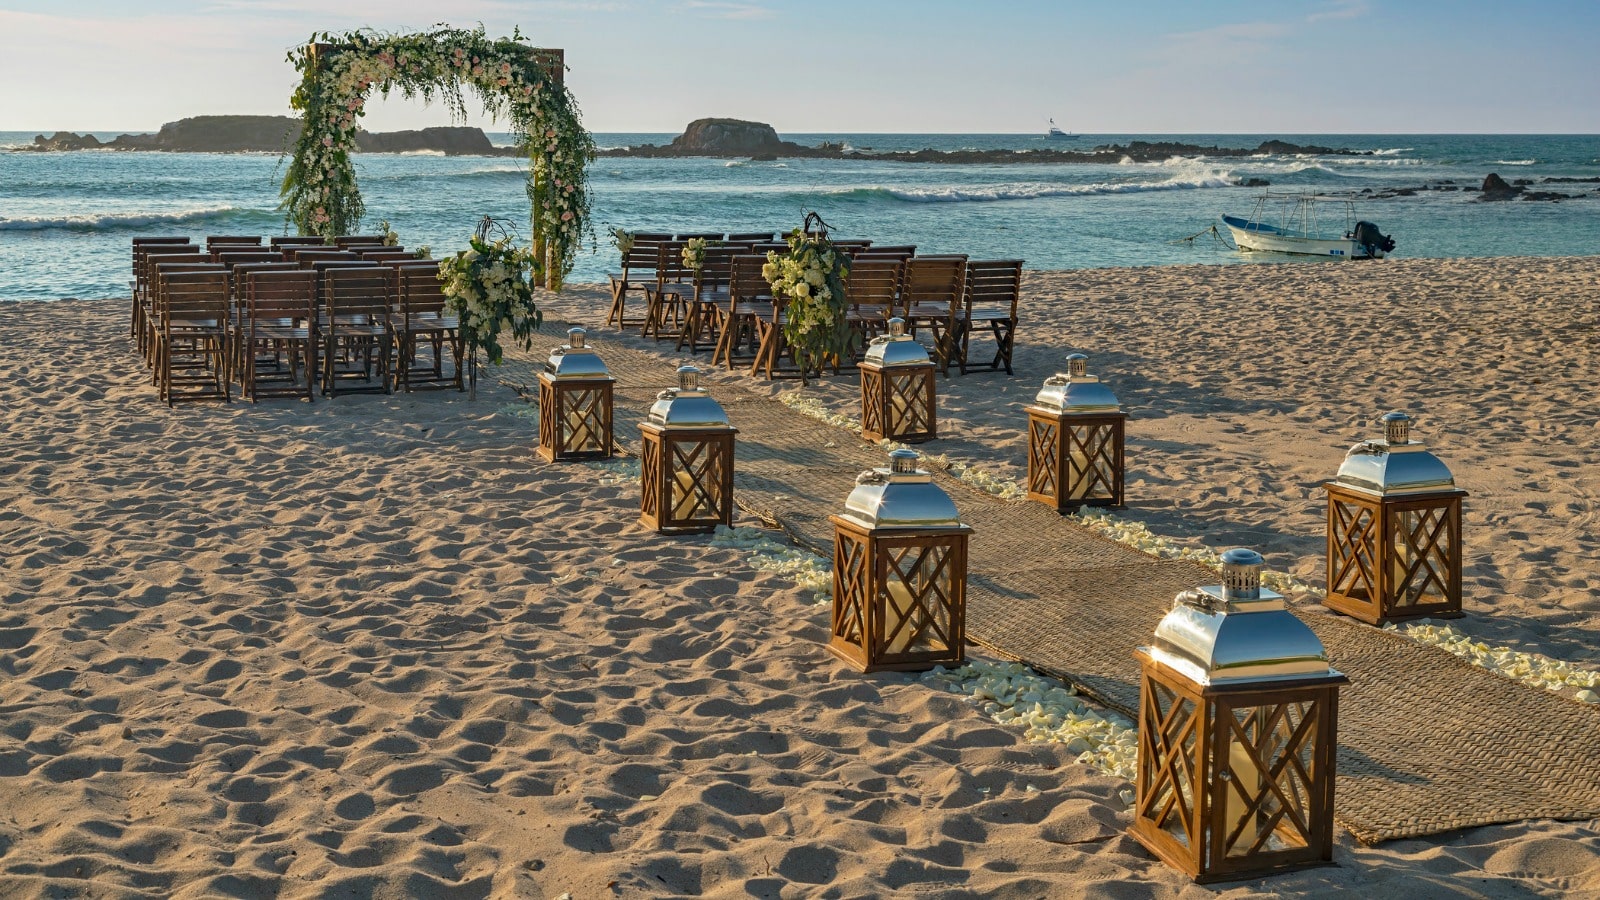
355, 333
992, 290
423, 318
710, 298
873, 288
749, 299
666, 301
931, 297
277, 349
191, 344
638, 272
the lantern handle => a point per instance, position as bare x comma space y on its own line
871, 476
1195, 598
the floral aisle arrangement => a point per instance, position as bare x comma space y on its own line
694, 253
514, 81
490, 285
622, 239
811, 275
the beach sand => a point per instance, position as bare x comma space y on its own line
372, 647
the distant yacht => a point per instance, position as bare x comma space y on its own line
1059, 135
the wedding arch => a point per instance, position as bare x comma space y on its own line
523, 84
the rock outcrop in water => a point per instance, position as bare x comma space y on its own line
272, 134
758, 140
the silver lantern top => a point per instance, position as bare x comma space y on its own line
1394, 464
897, 348
1076, 391
687, 405
576, 359
1238, 631
900, 496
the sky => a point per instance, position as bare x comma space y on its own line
861, 66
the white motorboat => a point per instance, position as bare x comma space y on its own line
1299, 223
1059, 135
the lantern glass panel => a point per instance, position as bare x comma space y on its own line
1089, 467
918, 588
1171, 732
1418, 568
1267, 777
697, 480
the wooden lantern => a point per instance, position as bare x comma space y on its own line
897, 395
1238, 711
1075, 441
686, 470
1394, 531
899, 572
575, 402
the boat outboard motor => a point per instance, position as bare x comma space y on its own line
1368, 236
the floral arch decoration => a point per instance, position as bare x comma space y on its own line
522, 84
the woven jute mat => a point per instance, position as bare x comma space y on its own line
1427, 742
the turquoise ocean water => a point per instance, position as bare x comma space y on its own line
66, 218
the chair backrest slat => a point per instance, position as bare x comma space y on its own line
746, 284
356, 290
933, 280
280, 293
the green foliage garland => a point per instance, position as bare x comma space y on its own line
811, 275
511, 79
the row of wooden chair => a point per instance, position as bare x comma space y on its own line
279, 326
728, 304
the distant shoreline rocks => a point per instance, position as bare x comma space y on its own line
271, 134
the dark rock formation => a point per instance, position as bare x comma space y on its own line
1495, 188
272, 134
726, 137
65, 140
452, 141
217, 134
735, 137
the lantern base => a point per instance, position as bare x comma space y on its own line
851, 657
1370, 613
1177, 861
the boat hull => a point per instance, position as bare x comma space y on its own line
1257, 236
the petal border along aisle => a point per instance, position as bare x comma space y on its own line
1428, 743
522, 83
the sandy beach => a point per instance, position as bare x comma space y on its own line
373, 647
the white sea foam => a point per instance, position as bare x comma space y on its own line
1035, 191
1392, 151
1516, 162
734, 164
110, 221
421, 153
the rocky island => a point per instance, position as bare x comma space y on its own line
272, 134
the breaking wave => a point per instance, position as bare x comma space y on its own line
1516, 162
118, 221
1028, 191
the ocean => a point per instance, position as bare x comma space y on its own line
66, 218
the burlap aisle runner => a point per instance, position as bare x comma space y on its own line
1427, 742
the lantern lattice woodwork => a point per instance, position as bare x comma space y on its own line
1394, 531
1076, 441
686, 468
899, 572
898, 401
575, 406
1238, 714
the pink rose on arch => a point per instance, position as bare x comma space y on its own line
327, 142
566, 216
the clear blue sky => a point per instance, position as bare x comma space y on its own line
1138, 66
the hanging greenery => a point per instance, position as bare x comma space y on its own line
515, 83
811, 275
